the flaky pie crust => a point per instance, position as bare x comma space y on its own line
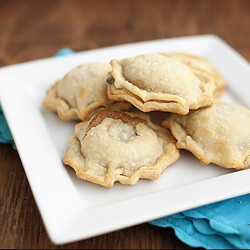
218, 134
159, 82
81, 92
203, 65
122, 165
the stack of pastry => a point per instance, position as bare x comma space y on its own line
113, 142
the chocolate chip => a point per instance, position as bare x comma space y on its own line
110, 80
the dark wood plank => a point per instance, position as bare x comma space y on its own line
38, 29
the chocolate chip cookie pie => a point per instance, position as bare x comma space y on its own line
218, 134
201, 66
81, 92
159, 82
116, 146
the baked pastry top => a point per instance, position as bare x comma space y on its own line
116, 146
202, 65
218, 134
82, 91
159, 82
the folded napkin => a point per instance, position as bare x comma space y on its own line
5, 135
222, 225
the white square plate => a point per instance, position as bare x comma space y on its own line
73, 209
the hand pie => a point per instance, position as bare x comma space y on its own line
81, 92
203, 66
218, 134
156, 82
116, 146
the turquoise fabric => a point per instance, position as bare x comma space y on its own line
5, 134
65, 52
222, 225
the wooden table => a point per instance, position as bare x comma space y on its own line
37, 29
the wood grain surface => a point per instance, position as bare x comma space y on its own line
31, 30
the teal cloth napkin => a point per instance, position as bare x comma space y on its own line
222, 225
5, 135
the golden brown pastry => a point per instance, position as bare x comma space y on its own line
158, 82
81, 92
218, 134
116, 146
202, 65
